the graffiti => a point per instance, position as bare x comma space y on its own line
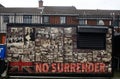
58, 67
70, 67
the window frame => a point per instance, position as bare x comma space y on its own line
27, 18
62, 19
90, 41
46, 19
98, 22
97, 32
82, 22
6, 19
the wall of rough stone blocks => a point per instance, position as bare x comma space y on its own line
53, 44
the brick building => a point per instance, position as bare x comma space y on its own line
56, 15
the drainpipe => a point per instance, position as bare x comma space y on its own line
112, 26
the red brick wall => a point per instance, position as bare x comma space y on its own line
91, 22
106, 22
54, 19
69, 20
72, 20
94, 22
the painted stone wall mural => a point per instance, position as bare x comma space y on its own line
44, 49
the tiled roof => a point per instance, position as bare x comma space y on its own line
59, 10
20, 10
1, 6
97, 12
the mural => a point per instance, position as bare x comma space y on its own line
54, 50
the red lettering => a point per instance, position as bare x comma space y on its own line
102, 67
60, 67
66, 67
72, 67
90, 67
38, 68
45, 67
53, 67
96, 67
78, 67
84, 67
42, 67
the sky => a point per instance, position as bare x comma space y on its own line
79, 4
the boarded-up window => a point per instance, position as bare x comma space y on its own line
91, 38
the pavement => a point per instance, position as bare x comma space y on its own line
37, 77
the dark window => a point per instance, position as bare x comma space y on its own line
91, 37
27, 19
46, 19
116, 23
6, 18
91, 40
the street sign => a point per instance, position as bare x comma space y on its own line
2, 51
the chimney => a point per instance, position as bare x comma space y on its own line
40, 3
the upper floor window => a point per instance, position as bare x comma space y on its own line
62, 20
27, 19
46, 19
82, 22
110, 23
116, 23
100, 22
6, 18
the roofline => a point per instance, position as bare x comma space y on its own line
1, 14
98, 10
63, 14
60, 6
18, 14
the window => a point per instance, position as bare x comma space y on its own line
110, 23
46, 19
27, 19
82, 22
100, 22
116, 23
91, 38
6, 18
62, 20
